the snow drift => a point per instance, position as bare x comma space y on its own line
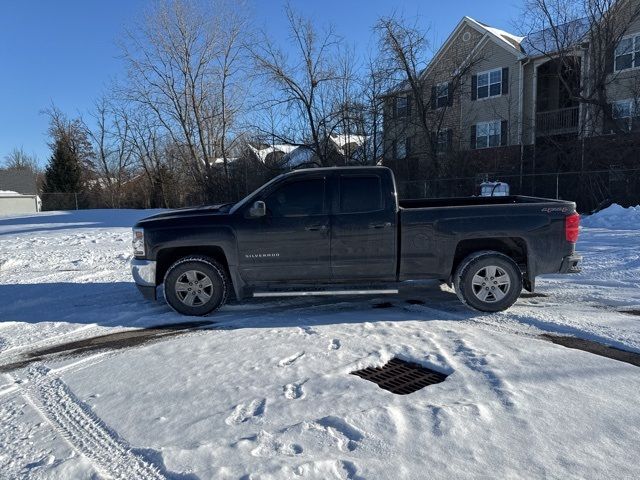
614, 217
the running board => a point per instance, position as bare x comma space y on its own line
325, 292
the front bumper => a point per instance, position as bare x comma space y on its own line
571, 264
144, 274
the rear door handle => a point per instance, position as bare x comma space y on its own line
380, 225
316, 228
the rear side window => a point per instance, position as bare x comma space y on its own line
297, 199
360, 194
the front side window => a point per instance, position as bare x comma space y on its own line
489, 84
488, 134
297, 199
359, 194
442, 95
627, 53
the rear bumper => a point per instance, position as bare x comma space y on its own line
144, 274
571, 264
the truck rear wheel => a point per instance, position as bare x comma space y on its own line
195, 286
488, 281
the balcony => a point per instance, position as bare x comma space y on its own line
557, 122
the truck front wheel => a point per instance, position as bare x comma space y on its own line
488, 281
195, 286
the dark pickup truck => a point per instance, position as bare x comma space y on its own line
331, 231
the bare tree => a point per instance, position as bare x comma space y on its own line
582, 37
182, 63
19, 159
113, 147
307, 87
404, 58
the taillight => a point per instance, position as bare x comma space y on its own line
571, 227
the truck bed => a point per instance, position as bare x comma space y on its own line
473, 201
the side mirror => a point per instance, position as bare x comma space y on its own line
258, 209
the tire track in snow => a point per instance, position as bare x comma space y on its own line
84, 430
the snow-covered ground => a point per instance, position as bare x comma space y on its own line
265, 391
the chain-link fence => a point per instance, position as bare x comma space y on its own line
588, 189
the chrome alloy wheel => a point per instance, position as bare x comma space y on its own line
491, 284
194, 288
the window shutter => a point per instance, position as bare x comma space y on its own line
450, 92
505, 80
449, 140
434, 99
504, 133
474, 87
473, 137
610, 57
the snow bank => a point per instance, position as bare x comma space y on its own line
614, 217
8, 193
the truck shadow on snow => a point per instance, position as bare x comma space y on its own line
107, 342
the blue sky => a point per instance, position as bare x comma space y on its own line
66, 52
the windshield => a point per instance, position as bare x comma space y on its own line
246, 199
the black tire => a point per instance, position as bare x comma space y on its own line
185, 295
488, 292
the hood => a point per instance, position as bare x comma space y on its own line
222, 209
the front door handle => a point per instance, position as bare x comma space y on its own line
380, 225
316, 228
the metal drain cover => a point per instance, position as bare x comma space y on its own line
401, 377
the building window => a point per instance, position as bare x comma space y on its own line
442, 142
402, 106
489, 84
628, 53
623, 112
488, 134
442, 95
401, 149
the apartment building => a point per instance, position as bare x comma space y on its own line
496, 99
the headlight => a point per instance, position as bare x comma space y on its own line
138, 242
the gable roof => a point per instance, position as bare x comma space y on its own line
550, 40
506, 40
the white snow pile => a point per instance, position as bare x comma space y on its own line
614, 217
8, 193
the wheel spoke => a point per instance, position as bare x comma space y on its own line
191, 276
482, 294
182, 287
206, 282
189, 298
490, 271
477, 280
498, 294
503, 280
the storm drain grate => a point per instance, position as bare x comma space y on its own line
401, 377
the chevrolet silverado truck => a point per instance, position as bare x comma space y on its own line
332, 231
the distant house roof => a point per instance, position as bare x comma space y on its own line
262, 153
19, 180
552, 39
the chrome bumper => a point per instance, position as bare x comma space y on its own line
144, 272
